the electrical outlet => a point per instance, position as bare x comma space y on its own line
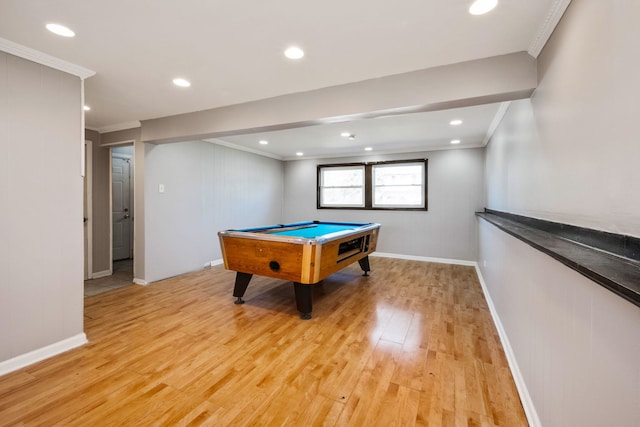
160, 188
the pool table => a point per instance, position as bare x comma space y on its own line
302, 252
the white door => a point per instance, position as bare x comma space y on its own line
121, 206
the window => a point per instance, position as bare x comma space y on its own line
400, 185
342, 186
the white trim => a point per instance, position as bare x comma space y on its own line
82, 131
110, 211
119, 143
548, 25
242, 148
44, 59
120, 126
134, 209
101, 274
88, 144
462, 146
140, 281
425, 259
502, 110
350, 154
42, 353
216, 262
525, 397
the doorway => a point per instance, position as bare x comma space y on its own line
122, 211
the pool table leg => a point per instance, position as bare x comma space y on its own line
304, 295
242, 281
364, 265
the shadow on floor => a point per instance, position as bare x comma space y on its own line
122, 276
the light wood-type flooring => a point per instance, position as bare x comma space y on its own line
413, 344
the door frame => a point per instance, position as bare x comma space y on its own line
88, 199
128, 157
133, 196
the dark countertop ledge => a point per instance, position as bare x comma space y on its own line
615, 272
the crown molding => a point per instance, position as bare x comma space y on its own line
241, 148
44, 59
120, 126
548, 25
502, 110
366, 154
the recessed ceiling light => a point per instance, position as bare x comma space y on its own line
455, 141
294, 52
60, 30
352, 137
181, 82
455, 122
368, 148
263, 142
299, 153
345, 134
480, 7
86, 108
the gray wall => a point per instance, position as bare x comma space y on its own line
571, 155
447, 230
100, 204
208, 188
41, 187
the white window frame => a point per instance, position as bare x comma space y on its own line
322, 187
374, 187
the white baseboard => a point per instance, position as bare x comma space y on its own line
100, 274
42, 353
216, 262
425, 259
140, 281
525, 397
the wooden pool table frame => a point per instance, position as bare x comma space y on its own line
304, 261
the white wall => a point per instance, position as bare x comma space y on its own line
447, 230
577, 344
41, 191
571, 155
208, 188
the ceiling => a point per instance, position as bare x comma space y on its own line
394, 134
232, 52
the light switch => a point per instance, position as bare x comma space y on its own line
161, 188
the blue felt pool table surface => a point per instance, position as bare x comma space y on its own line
314, 231
307, 230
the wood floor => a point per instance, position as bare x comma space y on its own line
413, 344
